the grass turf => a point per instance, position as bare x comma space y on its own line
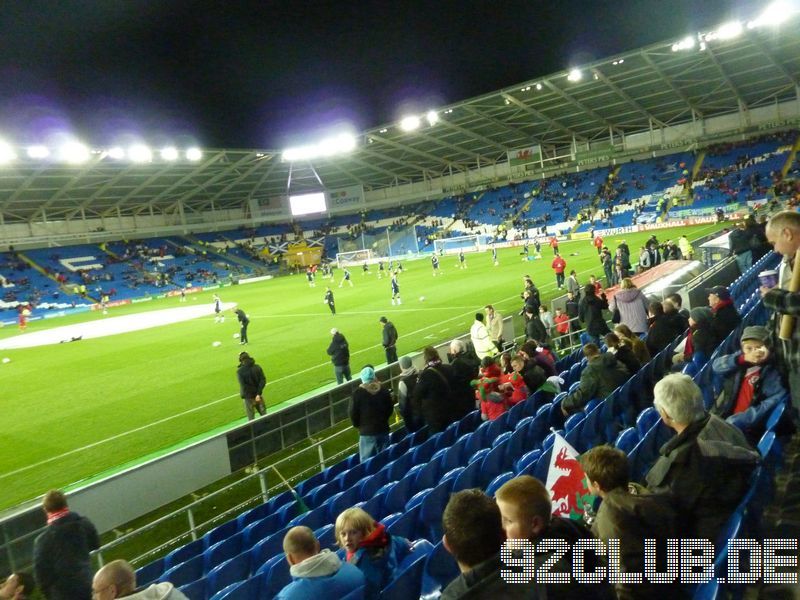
74, 410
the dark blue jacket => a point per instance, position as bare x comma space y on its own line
61, 562
379, 564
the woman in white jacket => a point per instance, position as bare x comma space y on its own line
481, 340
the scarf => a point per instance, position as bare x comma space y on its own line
55, 516
377, 539
722, 304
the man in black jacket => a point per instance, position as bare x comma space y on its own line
251, 385
244, 321
61, 562
339, 351
370, 409
432, 397
725, 316
389, 340
464, 366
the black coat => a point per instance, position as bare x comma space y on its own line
464, 368
339, 351
626, 356
370, 409
251, 379
725, 320
535, 329
389, 334
590, 311
432, 397
61, 562
660, 334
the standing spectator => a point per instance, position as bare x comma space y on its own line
608, 266
740, 249
534, 328
464, 365
726, 318
632, 306
573, 286
601, 376
370, 548
339, 351
562, 326
251, 385
389, 340
706, 467
644, 259
783, 232
590, 311
572, 307
405, 392
117, 579
473, 534
487, 391
329, 300
244, 321
61, 563
494, 323
315, 573
481, 340
558, 265
547, 321
370, 409
432, 394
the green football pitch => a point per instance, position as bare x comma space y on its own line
75, 410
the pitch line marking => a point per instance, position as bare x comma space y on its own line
214, 402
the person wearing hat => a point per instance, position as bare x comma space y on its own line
389, 340
339, 351
725, 318
405, 392
700, 341
251, 385
371, 407
751, 385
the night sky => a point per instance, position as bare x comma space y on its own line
247, 74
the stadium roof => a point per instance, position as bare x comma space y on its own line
621, 95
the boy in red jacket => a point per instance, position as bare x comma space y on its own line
487, 392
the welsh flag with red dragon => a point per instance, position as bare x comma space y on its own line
566, 481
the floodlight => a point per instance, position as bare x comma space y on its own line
775, 14
410, 123
384, 130
729, 31
7, 153
140, 153
169, 153
38, 152
340, 144
116, 153
575, 75
432, 117
74, 153
686, 43
539, 87
194, 154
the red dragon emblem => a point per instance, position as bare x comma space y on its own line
569, 491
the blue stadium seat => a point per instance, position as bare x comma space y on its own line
425, 450
266, 549
374, 506
431, 509
478, 456
355, 594
468, 424
416, 499
406, 524
222, 551
518, 442
496, 461
288, 511
184, 553
313, 519
428, 476
627, 440
263, 570
343, 500
498, 481
399, 495
254, 532
440, 570
646, 451
352, 476
226, 573
402, 465
501, 439
223, 532
185, 572
195, 589
371, 484
319, 495
308, 484
255, 514
454, 456
468, 478
526, 459
497, 426
451, 474
407, 584
277, 578
646, 419
150, 572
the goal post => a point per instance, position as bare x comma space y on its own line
454, 245
353, 258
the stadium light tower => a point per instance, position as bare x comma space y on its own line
74, 153
410, 123
194, 154
116, 153
7, 153
331, 146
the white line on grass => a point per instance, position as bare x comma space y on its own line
214, 402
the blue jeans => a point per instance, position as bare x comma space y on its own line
370, 445
342, 373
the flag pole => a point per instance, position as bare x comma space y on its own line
300, 504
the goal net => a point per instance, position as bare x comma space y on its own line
467, 243
353, 258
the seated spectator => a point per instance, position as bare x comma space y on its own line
636, 343
473, 534
661, 332
516, 388
706, 467
491, 401
405, 391
726, 318
371, 548
315, 573
623, 352
117, 579
601, 376
18, 586
677, 320
370, 409
526, 512
700, 341
630, 518
632, 306
752, 385
677, 301
531, 351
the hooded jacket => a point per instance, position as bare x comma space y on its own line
481, 340
158, 591
321, 576
251, 378
484, 582
378, 557
632, 306
370, 409
599, 378
432, 397
61, 562
590, 311
706, 470
339, 351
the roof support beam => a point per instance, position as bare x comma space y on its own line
73, 183
392, 174
453, 147
409, 149
622, 94
671, 84
543, 117
775, 62
725, 77
569, 98
497, 122
400, 161
472, 134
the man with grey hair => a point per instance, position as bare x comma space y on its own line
117, 579
465, 365
783, 233
316, 573
706, 467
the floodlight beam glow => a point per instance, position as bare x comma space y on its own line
340, 144
7, 153
194, 154
74, 153
410, 123
776, 13
575, 75
38, 152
